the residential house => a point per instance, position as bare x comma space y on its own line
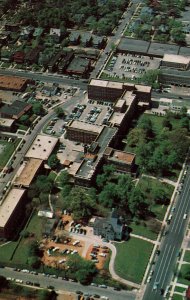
98, 41
13, 27
33, 55
26, 32
79, 66
18, 57
188, 293
111, 228
4, 37
74, 38
6, 54
86, 39
38, 32
55, 34
50, 90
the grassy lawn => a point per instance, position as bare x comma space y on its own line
179, 289
6, 251
187, 256
159, 211
177, 297
7, 151
184, 269
132, 259
143, 231
35, 226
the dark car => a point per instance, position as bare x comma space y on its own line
50, 287
79, 292
117, 289
161, 291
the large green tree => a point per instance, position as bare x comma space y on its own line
80, 203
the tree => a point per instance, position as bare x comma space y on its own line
108, 195
24, 119
59, 112
179, 141
108, 174
151, 78
53, 161
83, 269
184, 123
37, 108
45, 294
34, 262
178, 35
136, 136
147, 126
3, 282
80, 203
166, 123
43, 184
33, 249
137, 204
64, 177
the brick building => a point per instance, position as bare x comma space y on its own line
82, 132
12, 212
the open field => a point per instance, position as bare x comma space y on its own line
131, 263
7, 149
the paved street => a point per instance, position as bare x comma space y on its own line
62, 285
165, 264
30, 138
45, 77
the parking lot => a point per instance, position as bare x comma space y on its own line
130, 66
72, 238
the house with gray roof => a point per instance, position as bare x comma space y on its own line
111, 228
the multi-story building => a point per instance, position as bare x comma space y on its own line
12, 212
175, 61
105, 90
82, 132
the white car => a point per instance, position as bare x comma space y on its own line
184, 216
149, 278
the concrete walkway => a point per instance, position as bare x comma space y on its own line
144, 238
174, 183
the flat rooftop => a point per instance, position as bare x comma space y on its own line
29, 171
126, 157
184, 51
86, 170
106, 83
85, 126
6, 122
120, 103
78, 64
143, 88
12, 82
9, 205
132, 45
42, 147
117, 118
159, 49
176, 58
